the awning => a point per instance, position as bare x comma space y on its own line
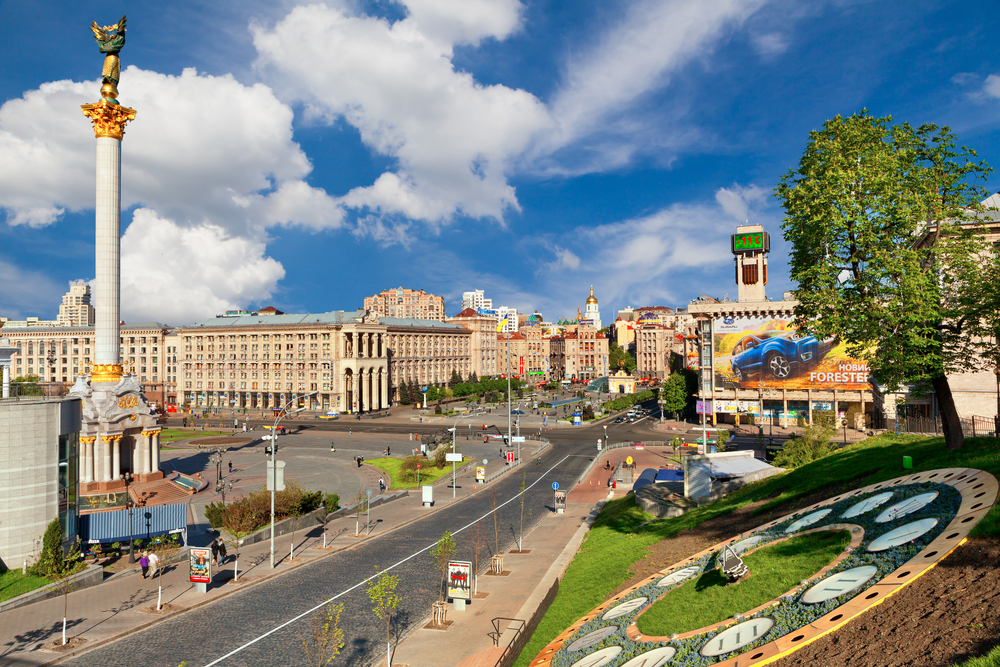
104, 527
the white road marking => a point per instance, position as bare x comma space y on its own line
365, 581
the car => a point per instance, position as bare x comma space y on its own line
619, 420
780, 354
518, 412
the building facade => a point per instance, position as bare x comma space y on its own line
426, 352
60, 354
39, 440
591, 312
74, 311
482, 342
536, 357
406, 303
581, 355
265, 361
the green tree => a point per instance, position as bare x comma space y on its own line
326, 638
455, 380
27, 385
473, 379
382, 593
674, 394
51, 562
619, 358
888, 249
442, 555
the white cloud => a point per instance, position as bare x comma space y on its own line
465, 21
178, 275
770, 44
566, 258
992, 85
453, 138
201, 148
638, 55
736, 201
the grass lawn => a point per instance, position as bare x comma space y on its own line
173, 435
616, 541
991, 659
428, 471
13, 583
773, 571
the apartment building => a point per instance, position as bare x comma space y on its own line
406, 303
482, 343
581, 355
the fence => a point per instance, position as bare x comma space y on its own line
18, 391
974, 426
523, 634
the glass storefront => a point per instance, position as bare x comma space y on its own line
68, 486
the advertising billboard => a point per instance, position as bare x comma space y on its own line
751, 350
460, 580
201, 566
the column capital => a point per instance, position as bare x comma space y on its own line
109, 119
87, 439
111, 438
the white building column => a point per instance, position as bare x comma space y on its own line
141, 454
116, 458
383, 377
87, 458
155, 451
106, 441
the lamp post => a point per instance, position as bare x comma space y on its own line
274, 448
454, 430
130, 506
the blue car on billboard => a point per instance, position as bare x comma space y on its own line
781, 354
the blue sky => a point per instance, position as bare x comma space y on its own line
306, 156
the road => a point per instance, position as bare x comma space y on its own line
261, 625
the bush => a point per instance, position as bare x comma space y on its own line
50, 562
310, 501
408, 469
331, 502
216, 514
437, 408
721, 438
588, 412
813, 444
628, 401
254, 511
440, 452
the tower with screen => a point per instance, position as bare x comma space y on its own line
750, 245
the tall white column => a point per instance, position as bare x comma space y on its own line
108, 221
6, 381
140, 454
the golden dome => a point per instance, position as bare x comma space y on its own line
591, 298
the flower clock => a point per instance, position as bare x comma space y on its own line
898, 530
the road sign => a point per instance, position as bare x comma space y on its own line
517, 438
368, 493
485, 461
555, 485
456, 457
275, 475
628, 460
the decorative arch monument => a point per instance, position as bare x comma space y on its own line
119, 432
900, 529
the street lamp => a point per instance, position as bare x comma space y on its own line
130, 506
454, 430
996, 420
274, 447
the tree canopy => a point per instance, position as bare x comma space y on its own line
888, 249
618, 358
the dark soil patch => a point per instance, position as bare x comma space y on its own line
947, 616
71, 643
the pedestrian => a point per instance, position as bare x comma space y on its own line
388, 450
154, 564
222, 551
230, 467
350, 431
385, 452
236, 423
381, 485
184, 422
144, 563
215, 550
333, 447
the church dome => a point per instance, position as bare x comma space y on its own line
592, 298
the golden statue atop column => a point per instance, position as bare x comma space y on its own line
108, 116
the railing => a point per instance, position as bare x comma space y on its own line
974, 426
21, 391
506, 656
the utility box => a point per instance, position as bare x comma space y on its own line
427, 495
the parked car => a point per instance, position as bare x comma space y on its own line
780, 354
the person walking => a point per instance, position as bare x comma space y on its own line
154, 564
223, 554
230, 467
388, 450
381, 485
144, 563
333, 447
215, 551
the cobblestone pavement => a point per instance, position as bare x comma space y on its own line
264, 614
